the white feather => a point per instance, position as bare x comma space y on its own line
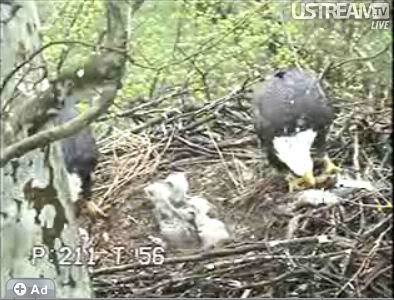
75, 186
211, 231
201, 205
295, 151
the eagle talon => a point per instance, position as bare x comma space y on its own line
330, 167
323, 178
382, 208
299, 183
94, 211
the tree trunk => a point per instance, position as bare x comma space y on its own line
36, 208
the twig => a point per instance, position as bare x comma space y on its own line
356, 163
43, 138
331, 66
218, 253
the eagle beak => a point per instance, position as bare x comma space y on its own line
309, 178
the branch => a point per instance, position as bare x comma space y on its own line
43, 138
137, 5
221, 253
331, 65
38, 51
105, 69
366, 58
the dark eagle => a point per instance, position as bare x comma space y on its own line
80, 155
291, 115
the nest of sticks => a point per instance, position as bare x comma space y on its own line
283, 246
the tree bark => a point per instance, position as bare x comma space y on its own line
36, 207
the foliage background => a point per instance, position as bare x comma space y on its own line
209, 47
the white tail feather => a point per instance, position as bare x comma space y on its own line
294, 151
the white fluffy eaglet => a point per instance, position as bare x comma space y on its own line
184, 221
174, 225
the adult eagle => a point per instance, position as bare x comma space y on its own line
291, 115
80, 155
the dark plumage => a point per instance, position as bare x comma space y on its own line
79, 150
291, 102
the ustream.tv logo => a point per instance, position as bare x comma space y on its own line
340, 10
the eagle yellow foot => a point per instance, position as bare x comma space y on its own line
330, 167
300, 183
94, 211
382, 208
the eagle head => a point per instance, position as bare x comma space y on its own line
179, 187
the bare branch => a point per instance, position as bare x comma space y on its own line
45, 137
